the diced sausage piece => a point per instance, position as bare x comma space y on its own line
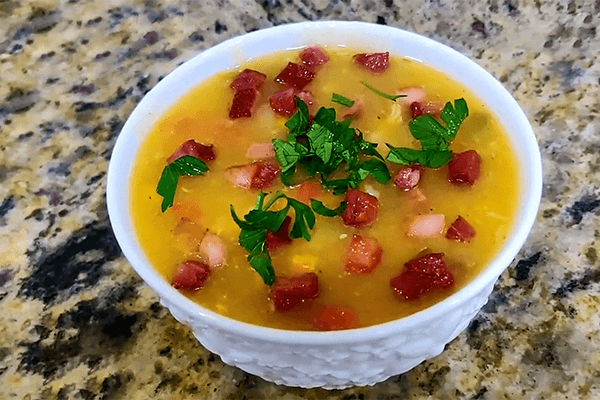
308, 190
420, 276
283, 102
257, 175
376, 62
363, 256
190, 275
313, 56
418, 108
361, 209
281, 238
289, 291
407, 178
306, 97
195, 149
412, 95
295, 75
354, 111
248, 79
464, 168
265, 175
427, 226
460, 230
260, 151
243, 102
213, 248
333, 317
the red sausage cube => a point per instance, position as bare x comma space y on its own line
264, 176
464, 168
420, 276
295, 75
460, 230
277, 240
313, 56
195, 149
243, 102
190, 275
290, 291
376, 62
248, 79
283, 102
363, 255
407, 178
334, 317
361, 209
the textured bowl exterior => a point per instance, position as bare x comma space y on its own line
336, 365
340, 359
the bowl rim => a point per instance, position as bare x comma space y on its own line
292, 36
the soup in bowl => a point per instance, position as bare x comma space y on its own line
325, 204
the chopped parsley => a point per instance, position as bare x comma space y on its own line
338, 98
383, 94
322, 145
183, 166
254, 227
325, 211
435, 138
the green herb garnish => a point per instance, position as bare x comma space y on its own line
383, 94
322, 145
435, 139
325, 211
338, 98
183, 166
254, 227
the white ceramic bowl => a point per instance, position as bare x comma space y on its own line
342, 358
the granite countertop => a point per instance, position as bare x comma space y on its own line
76, 322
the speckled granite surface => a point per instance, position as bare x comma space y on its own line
77, 323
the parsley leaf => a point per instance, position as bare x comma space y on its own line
167, 184
435, 139
338, 98
323, 210
383, 94
256, 224
322, 145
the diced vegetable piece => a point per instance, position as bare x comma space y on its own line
460, 230
427, 226
194, 149
257, 175
243, 102
283, 102
411, 95
464, 168
190, 275
313, 56
407, 178
248, 79
420, 108
363, 256
355, 111
422, 275
376, 62
213, 248
295, 75
308, 190
281, 238
260, 151
361, 209
334, 317
289, 291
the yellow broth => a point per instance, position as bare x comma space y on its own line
237, 291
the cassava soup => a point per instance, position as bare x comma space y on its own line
324, 189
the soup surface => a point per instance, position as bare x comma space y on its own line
202, 203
